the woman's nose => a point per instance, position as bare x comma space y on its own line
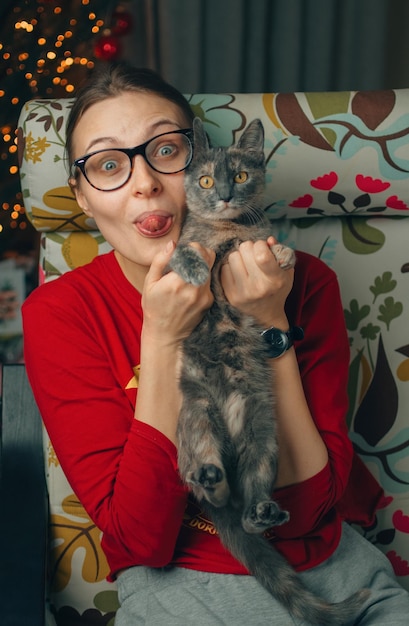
144, 179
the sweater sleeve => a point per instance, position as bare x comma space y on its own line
123, 471
323, 358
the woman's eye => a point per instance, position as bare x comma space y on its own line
109, 166
206, 182
166, 150
241, 177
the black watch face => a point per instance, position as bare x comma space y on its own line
278, 342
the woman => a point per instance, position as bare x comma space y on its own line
102, 348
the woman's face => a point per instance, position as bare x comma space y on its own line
142, 216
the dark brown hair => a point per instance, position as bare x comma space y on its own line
115, 79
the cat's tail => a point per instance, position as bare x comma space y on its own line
272, 571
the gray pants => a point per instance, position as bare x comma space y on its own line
182, 597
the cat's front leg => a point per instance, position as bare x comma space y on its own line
189, 264
284, 255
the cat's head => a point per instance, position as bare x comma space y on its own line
227, 183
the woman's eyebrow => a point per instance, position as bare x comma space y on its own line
97, 140
155, 129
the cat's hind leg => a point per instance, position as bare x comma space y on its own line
200, 452
263, 515
260, 511
257, 468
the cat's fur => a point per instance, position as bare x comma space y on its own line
226, 434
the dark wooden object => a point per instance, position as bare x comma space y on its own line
23, 504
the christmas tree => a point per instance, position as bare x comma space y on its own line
47, 49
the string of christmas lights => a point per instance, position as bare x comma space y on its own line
47, 48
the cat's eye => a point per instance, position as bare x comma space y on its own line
241, 177
206, 182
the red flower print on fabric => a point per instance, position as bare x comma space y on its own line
386, 500
303, 202
400, 566
401, 521
326, 182
371, 185
367, 185
393, 202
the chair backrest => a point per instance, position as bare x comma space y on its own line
337, 187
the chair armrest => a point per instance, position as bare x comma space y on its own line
24, 504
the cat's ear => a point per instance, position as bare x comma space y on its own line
201, 141
252, 137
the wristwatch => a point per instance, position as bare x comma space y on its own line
278, 341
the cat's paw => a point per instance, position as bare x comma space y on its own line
263, 515
285, 256
209, 481
187, 262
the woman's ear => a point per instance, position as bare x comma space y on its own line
79, 196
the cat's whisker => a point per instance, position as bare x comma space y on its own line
252, 213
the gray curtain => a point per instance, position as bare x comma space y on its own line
267, 45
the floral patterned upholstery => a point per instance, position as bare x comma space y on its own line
337, 187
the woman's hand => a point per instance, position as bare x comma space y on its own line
253, 282
172, 308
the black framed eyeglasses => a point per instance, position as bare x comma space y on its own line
111, 168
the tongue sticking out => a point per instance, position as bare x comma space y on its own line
155, 225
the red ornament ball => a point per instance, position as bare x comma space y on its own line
121, 23
107, 48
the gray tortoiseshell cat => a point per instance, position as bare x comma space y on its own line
227, 441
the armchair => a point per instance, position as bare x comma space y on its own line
336, 187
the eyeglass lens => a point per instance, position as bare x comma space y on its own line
111, 168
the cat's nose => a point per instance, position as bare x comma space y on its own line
225, 193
